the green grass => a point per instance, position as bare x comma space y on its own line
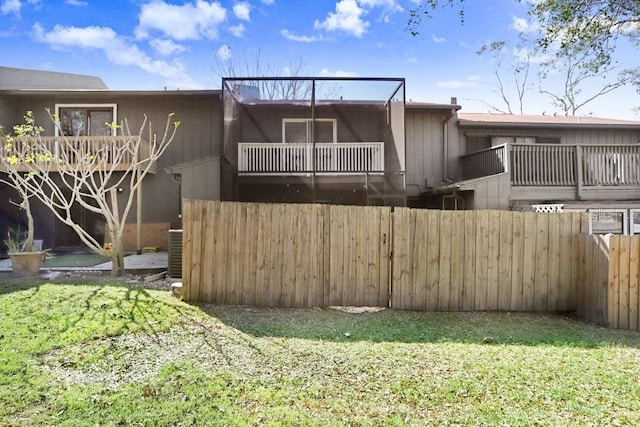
121, 355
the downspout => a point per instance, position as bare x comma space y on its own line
445, 140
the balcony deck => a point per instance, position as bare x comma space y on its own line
115, 153
552, 171
291, 159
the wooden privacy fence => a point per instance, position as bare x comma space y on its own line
610, 274
320, 255
282, 255
484, 260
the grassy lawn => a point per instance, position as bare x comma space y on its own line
118, 354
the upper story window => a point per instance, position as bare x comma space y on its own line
86, 119
301, 131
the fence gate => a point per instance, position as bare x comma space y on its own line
359, 255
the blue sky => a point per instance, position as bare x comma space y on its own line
153, 44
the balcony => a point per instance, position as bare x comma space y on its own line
115, 153
290, 159
561, 171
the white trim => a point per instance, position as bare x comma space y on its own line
113, 106
632, 225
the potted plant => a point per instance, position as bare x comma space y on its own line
26, 256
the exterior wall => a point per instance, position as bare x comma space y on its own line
567, 135
488, 193
199, 136
201, 179
425, 145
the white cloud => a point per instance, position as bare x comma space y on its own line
268, 1
525, 55
191, 21
347, 18
339, 73
242, 11
437, 39
297, 38
76, 3
456, 84
224, 52
389, 7
522, 25
237, 30
11, 7
116, 49
166, 47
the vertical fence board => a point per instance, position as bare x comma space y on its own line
603, 262
456, 294
250, 255
482, 254
444, 263
624, 283
517, 261
634, 283
383, 247
614, 282
469, 283
529, 257
433, 259
541, 264
493, 259
419, 261
554, 259
505, 252
187, 250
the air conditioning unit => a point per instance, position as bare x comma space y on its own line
175, 254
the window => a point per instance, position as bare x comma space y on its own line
300, 131
86, 119
605, 221
634, 221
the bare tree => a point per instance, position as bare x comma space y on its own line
63, 171
517, 73
254, 66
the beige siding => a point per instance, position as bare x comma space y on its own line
425, 151
489, 193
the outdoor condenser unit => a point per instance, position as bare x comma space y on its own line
175, 254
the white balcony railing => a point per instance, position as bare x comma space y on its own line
297, 159
111, 151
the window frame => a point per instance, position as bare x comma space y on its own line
624, 221
308, 121
89, 106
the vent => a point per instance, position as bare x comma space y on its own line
175, 254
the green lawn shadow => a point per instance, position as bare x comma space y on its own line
386, 325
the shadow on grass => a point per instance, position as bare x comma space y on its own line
75, 310
12, 283
386, 325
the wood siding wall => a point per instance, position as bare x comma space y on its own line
321, 255
610, 272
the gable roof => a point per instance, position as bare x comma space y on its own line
24, 79
528, 121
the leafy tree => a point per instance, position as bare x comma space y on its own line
89, 172
28, 129
590, 27
580, 36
